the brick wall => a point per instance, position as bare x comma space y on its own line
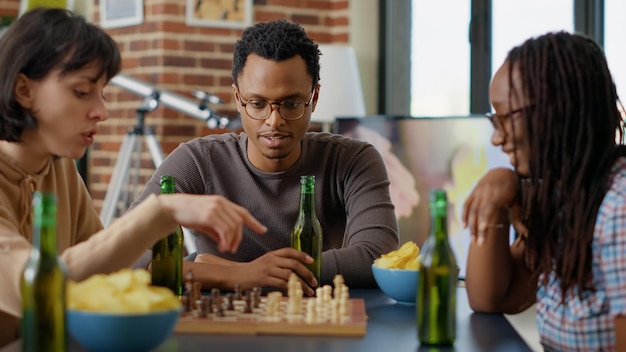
9, 8
167, 53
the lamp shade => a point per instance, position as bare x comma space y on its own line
341, 93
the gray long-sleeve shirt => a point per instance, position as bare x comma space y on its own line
351, 198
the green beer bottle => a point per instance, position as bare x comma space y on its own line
43, 283
167, 253
306, 234
436, 284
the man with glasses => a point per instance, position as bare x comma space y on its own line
276, 87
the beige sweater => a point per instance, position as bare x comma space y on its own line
85, 247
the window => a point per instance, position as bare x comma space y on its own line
614, 29
440, 58
448, 74
516, 21
440, 47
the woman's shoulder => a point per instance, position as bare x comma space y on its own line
615, 196
618, 173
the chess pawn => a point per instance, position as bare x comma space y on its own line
249, 304
188, 282
310, 316
338, 280
238, 294
327, 293
338, 283
335, 314
345, 293
229, 299
343, 308
196, 294
185, 302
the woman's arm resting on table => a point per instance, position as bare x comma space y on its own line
620, 332
497, 279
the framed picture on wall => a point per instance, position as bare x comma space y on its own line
219, 13
26, 5
120, 13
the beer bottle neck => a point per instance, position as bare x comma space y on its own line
307, 201
440, 227
44, 227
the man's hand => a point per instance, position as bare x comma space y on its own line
269, 270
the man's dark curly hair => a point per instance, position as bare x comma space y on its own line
277, 40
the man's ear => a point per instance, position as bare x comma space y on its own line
236, 95
316, 93
23, 91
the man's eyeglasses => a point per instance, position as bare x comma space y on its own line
498, 120
289, 109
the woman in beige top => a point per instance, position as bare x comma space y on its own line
54, 67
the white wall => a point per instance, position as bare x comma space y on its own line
364, 28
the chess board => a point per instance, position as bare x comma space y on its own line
236, 321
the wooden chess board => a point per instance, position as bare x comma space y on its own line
236, 321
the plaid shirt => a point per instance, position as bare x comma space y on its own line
587, 324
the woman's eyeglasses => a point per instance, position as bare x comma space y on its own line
498, 120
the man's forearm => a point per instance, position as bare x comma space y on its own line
214, 274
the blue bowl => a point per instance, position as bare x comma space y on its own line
121, 332
399, 284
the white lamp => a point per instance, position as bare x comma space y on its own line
341, 93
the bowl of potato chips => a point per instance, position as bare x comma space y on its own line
396, 273
120, 312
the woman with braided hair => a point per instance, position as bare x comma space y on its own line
558, 118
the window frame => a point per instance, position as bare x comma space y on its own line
394, 93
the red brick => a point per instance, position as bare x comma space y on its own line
138, 45
168, 9
265, 16
198, 80
178, 61
318, 4
148, 61
339, 5
289, 3
225, 64
194, 45
306, 19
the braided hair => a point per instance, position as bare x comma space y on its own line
572, 129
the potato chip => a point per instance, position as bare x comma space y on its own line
404, 257
125, 291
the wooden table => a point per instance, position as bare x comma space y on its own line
390, 327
